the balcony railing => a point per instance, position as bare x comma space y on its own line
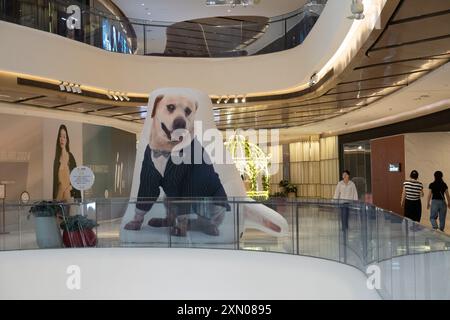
413, 260
216, 37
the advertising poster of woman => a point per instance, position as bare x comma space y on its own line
63, 164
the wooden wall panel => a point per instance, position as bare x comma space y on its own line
387, 186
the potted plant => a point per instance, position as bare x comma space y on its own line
289, 189
48, 234
78, 231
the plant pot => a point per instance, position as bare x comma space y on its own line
79, 238
48, 234
292, 195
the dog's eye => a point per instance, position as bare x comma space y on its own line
170, 107
188, 111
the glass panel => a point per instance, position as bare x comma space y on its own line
412, 259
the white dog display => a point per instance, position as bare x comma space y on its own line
169, 136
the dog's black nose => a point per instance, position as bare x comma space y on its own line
179, 123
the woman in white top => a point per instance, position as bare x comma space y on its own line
345, 190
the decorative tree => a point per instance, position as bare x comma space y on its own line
252, 163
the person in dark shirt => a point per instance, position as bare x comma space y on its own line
436, 201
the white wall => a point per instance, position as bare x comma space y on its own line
29, 51
427, 153
23, 136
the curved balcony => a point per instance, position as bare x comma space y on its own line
229, 36
325, 244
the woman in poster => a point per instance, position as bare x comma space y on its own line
63, 165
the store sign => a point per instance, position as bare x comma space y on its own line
394, 167
74, 19
82, 178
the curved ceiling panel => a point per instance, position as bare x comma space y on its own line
182, 10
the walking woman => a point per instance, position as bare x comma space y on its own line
63, 164
412, 192
436, 201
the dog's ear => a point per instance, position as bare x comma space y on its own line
155, 104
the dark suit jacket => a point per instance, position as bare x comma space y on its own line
72, 165
184, 180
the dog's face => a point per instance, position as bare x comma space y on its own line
172, 116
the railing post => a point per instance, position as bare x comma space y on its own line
297, 228
364, 237
407, 236
285, 34
145, 40
237, 228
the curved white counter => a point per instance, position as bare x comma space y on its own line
163, 273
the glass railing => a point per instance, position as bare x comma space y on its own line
413, 262
219, 37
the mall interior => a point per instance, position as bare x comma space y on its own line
99, 99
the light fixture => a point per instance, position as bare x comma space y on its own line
357, 8
314, 79
108, 95
70, 87
244, 99
231, 3
126, 97
227, 99
236, 100
218, 100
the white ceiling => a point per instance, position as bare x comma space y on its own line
181, 10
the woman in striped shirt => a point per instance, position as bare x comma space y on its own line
412, 192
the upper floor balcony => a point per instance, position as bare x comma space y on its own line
108, 28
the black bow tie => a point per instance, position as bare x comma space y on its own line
159, 153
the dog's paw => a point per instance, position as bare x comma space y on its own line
133, 225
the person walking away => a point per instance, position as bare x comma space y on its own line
436, 201
412, 192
